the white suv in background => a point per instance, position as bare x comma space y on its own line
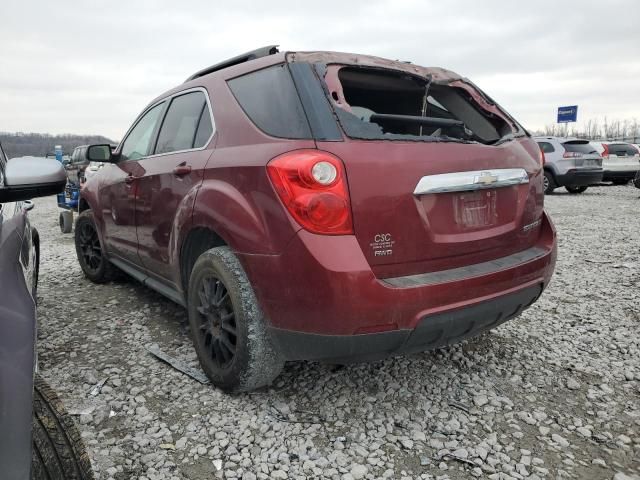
570, 163
620, 161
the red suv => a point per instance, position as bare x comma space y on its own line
321, 205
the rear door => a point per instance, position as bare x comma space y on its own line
169, 176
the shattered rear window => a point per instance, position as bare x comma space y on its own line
374, 103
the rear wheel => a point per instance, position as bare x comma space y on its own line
227, 325
549, 183
90, 252
576, 189
58, 451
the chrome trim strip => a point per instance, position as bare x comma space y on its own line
470, 181
470, 271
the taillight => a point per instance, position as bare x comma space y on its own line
605, 152
543, 160
312, 185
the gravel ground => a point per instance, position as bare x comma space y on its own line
553, 394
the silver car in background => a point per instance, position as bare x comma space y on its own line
571, 163
620, 161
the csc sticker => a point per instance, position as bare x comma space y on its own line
382, 245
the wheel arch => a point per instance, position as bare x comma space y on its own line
83, 205
197, 240
549, 168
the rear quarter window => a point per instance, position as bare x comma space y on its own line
270, 100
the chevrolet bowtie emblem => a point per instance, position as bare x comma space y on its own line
485, 178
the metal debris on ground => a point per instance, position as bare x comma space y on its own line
456, 458
97, 388
459, 406
178, 364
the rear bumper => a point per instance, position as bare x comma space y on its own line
580, 177
323, 301
610, 175
433, 331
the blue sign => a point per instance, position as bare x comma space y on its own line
568, 114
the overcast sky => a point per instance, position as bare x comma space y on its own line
89, 67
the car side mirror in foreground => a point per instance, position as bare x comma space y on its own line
30, 177
101, 153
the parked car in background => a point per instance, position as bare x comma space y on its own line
92, 169
81, 165
571, 163
38, 438
620, 161
240, 209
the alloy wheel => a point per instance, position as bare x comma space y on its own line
90, 247
217, 330
546, 183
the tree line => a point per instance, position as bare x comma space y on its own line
40, 144
595, 129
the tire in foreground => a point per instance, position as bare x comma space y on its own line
58, 451
227, 325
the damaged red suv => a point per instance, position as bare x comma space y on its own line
322, 206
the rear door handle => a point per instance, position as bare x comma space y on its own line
181, 170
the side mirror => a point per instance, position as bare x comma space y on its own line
101, 153
30, 177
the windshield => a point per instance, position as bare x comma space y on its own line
375, 103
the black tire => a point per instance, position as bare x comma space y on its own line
620, 181
636, 181
576, 189
90, 250
58, 451
66, 221
549, 183
35, 244
227, 325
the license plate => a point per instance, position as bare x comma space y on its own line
476, 209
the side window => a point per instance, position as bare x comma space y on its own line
138, 144
181, 126
546, 147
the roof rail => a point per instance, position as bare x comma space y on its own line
245, 57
